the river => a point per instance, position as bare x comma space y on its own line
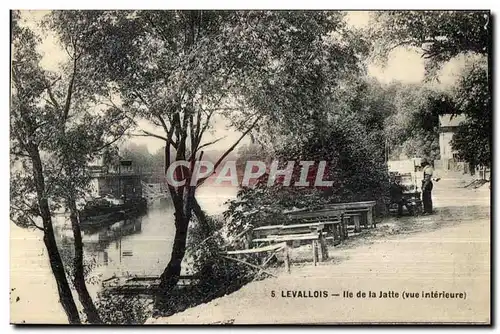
138, 246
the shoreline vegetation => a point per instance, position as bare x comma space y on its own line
136, 310
212, 276
291, 86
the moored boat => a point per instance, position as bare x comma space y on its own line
105, 211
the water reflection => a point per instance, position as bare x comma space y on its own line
135, 246
98, 240
138, 245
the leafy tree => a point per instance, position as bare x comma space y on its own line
472, 97
250, 152
372, 103
413, 127
441, 36
140, 156
30, 179
178, 69
356, 166
56, 136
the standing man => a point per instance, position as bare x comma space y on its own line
427, 186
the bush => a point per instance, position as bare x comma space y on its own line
356, 166
217, 276
205, 252
124, 309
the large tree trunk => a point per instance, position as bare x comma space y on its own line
183, 204
207, 270
170, 275
56, 264
201, 217
184, 209
78, 272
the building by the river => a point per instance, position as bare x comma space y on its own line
122, 181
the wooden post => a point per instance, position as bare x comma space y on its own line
314, 251
369, 217
335, 233
248, 239
286, 254
357, 226
345, 222
329, 231
322, 248
250, 236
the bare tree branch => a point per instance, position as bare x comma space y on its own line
211, 143
69, 93
163, 124
111, 142
149, 134
51, 94
229, 150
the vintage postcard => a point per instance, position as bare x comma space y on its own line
250, 167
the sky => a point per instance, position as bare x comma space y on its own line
404, 64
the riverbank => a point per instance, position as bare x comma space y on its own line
452, 259
365, 261
140, 247
448, 251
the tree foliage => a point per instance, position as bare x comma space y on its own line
348, 140
472, 98
440, 35
142, 159
57, 130
412, 129
178, 69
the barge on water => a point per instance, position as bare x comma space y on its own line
104, 211
117, 195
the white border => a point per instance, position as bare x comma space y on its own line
256, 4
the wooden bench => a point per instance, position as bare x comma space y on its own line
273, 249
312, 232
354, 219
264, 231
357, 212
335, 224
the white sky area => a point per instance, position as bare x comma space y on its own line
403, 64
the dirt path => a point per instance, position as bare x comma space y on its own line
448, 251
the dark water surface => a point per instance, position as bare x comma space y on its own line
136, 246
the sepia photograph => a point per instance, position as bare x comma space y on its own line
250, 167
